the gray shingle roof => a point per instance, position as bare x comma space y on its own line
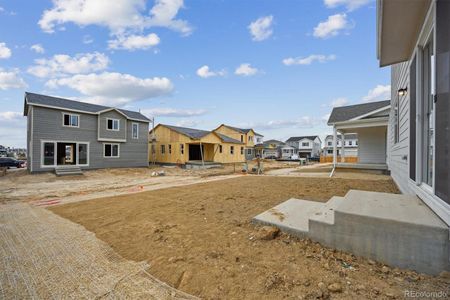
61, 103
273, 142
345, 113
242, 130
298, 138
227, 139
190, 132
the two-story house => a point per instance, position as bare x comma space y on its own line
350, 145
62, 132
307, 146
269, 149
245, 135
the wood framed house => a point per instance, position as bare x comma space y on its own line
246, 136
181, 145
63, 133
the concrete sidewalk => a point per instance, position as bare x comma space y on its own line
43, 256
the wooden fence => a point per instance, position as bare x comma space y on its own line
349, 159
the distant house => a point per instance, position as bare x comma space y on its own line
247, 136
350, 145
62, 132
181, 145
306, 146
269, 149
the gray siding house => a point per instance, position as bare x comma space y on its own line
62, 132
306, 146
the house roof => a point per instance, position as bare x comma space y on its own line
190, 132
274, 142
227, 139
66, 104
298, 138
346, 113
242, 130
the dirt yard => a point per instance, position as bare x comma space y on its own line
199, 238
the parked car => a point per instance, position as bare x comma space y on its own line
11, 162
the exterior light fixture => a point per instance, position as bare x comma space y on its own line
402, 92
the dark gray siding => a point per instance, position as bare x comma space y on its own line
29, 123
104, 133
48, 126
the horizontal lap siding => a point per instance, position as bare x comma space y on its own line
398, 153
372, 145
47, 125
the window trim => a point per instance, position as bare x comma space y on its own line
137, 131
112, 144
112, 119
70, 120
55, 142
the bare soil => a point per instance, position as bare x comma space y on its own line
199, 238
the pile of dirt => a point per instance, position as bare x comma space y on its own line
199, 239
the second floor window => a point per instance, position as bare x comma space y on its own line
71, 120
242, 138
135, 130
112, 124
305, 144
330, 143
182, 148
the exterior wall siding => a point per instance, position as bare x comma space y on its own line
104, 133
398, 153
47, 125
372, 145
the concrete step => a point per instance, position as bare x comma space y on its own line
326, 213
291, 216
68, 170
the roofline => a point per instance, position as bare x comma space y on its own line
85, 112
192, 138
237, 141
110, 109
371, 113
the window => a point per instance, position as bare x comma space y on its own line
82, 154
112, 124
71, 120
350, 143
356, 143
250, 138
163, 149
170, 149
305, 144
330, 151
249, 151
242, 138
220, 149
111, 150
330, 143
232, 149
49, 154
242, 150
135, 130
182, 148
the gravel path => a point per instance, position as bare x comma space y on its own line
44, 256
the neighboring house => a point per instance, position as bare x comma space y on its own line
3, 152
369, 121
181, 145
247, 136
307, 146
269, 149
62, 132
414, 40
288, 151
350, 145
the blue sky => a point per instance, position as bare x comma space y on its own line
277, 66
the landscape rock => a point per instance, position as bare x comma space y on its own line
385, 269
335, 287
267, 233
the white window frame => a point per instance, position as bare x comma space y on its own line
55, 143
112, 144
70, 120
113, 120
137, 131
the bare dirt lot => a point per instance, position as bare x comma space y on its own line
199, 238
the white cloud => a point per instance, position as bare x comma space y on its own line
115, 89
378, 93
87, 39
261, 29
134, 42
172, 112
188, 123
61, 64
308, 60
11, 80
121, 16
326, 117
302, 122
38, 48
205, 72
332, 26
339, 102
10, 115
5, 52
349, 4
246, 70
